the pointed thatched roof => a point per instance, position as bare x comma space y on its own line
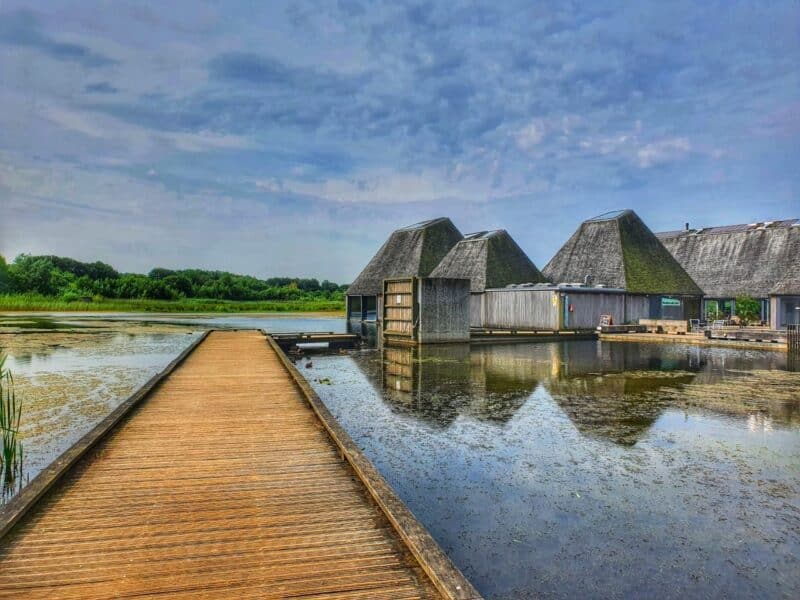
488, 259
411, 251
618, 250
756, 259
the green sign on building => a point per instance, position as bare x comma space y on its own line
670, 302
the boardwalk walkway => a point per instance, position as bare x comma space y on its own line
223, 483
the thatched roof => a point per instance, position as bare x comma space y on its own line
754, 259
618, 250
410, 251
488, 259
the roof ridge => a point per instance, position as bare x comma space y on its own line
424, 224
735, 228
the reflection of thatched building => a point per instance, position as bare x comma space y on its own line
440, 382
607, 390
412, 251
618, 250
761, 260
489, 259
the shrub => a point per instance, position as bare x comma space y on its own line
748, 309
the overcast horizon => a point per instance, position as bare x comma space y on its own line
291, 140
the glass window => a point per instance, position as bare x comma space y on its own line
355, 306
788, 311
370, 308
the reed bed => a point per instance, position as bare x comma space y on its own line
33, 302
11, 454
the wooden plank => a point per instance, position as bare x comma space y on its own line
223, 483
394, 313
402, 286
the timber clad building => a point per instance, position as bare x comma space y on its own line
489, 259
761, 260
412, 251
612, 265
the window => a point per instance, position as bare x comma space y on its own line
355, 307
370, 308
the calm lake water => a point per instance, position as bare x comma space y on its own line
586, 469
563, 470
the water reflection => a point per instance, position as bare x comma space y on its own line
439, 383
606, 390
587, 469
368, 331
610, 390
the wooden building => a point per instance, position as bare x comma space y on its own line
761, 260
412, 251
617, 250
552, 307
489, 259
425, 310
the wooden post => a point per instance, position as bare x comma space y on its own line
793, 347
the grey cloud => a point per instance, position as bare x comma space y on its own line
21, 28
102, 87
260, 70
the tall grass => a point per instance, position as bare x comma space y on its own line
11, 453
34, 302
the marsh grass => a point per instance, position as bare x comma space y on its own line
11, 454
35, 302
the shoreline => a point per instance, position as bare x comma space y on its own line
694, 340
44, 304
85, 322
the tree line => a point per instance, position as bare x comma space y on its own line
70, 280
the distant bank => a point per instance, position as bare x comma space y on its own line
57, 284
32, 303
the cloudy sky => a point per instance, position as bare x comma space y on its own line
291, 139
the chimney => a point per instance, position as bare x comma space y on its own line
687, 226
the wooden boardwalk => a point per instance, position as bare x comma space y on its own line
222, 483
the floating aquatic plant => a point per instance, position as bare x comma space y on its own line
11, 453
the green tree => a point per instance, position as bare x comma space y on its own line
70, 279
159, 273
748, 309
33, 275
5, 281
180, 283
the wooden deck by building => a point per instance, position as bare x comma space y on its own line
229, 479
330, 339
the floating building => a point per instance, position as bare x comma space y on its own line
489, 259
761, 260
617, 250
613, 266
412, 251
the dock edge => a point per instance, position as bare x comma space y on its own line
11, 513
445, 576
